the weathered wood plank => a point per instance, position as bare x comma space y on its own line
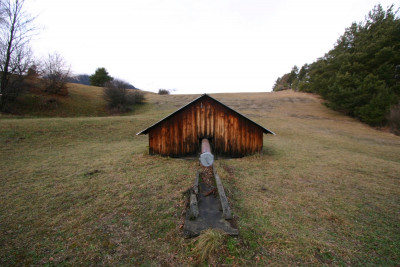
194, 208
226, 210
230, 135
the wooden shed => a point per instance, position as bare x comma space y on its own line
230, 133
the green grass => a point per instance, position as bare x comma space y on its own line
84, 191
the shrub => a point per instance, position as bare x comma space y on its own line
163, 92
56, 75
17, 85
120, 99
137, 95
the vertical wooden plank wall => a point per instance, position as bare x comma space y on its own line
231, 135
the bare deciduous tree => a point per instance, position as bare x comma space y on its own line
56, 73
16, 30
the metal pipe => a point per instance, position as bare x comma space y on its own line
206, 158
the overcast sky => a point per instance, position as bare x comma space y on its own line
193, 46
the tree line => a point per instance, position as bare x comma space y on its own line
360, 76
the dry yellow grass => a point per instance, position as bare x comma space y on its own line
81, 101
83, 191
208, 245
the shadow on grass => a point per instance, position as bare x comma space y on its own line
269, 151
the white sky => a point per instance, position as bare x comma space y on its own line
196, 46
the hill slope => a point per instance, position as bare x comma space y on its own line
82, 191
82, 100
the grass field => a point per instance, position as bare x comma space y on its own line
83, 191
81, 101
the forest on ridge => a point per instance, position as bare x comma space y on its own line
360, 76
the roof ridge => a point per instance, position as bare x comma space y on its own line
265, 130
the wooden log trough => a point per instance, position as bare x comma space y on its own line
206, 158
208, 206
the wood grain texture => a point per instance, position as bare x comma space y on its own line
230, 134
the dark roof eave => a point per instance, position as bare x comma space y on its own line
145, 131
265, 130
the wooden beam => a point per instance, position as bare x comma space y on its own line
206, 158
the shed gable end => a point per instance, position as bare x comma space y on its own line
230, 133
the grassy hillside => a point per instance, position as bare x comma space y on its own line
82, 100
84, 191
